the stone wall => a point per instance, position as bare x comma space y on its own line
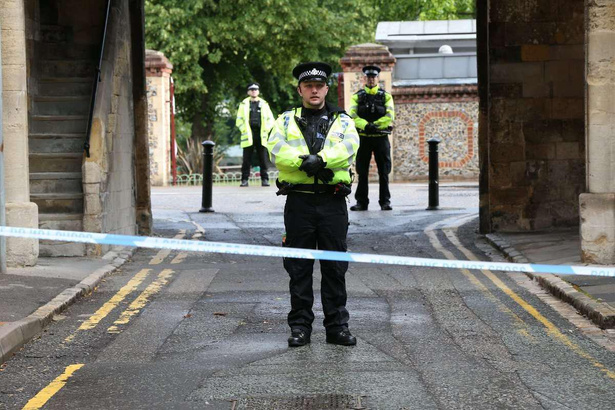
535, 160
597, 206
449, 113
109, 173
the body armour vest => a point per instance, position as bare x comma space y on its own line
371, 106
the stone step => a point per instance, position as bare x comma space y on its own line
61, 124
57, 51
61, 105
55, 34
69, 86
58, 203
56, 182
55, 162
62, 222
56, 143
68, 68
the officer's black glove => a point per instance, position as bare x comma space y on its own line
325, 175
311, 164
370, 128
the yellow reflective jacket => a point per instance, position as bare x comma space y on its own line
383, 122
243, 122
286, 143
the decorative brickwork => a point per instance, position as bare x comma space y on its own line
455, 123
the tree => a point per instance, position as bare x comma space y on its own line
410, 10
216, 47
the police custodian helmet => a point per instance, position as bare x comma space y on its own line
312, 71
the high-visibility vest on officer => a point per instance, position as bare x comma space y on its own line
373, 112
313, 147
254, 120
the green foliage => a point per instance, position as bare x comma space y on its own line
218, 46
410, 10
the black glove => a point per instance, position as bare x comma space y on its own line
370, 128
311, 164
325, 175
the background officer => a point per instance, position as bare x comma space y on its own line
254, 120
373, 112
313, 147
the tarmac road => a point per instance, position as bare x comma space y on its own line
200, 331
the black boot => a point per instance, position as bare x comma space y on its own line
343, 337
358, 207
298, 338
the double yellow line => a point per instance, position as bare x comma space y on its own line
133, 309
451, 233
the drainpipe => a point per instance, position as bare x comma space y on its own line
2, 199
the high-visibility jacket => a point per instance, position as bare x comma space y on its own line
286, 143
243, 122
384, 122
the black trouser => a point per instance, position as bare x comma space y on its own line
316, 221
381, 147
261, 151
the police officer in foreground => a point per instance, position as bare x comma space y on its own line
373, 113
254, 120
313, 147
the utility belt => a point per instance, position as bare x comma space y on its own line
285, 188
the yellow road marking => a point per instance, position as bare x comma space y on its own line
163, 253
182, 255
179, 258
112, 303
552, 330
136, 306
48, 392
435, 242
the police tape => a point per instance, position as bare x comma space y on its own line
274, 251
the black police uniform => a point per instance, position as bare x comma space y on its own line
316, 216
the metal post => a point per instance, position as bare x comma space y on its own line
434, 201
2, 198
208, 168
173, 141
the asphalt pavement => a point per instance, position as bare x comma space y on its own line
32, 297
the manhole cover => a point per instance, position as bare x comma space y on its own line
315, 402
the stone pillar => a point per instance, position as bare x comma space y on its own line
597, 207
359, 56
19, 210
158, 71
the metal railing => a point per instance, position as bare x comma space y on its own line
224, 179
86, 144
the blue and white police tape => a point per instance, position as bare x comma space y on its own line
274, 251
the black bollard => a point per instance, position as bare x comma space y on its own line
434, 200
208, 170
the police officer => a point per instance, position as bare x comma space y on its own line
313, 147
254, 120
373, 113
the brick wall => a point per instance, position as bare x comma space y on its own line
535, 125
